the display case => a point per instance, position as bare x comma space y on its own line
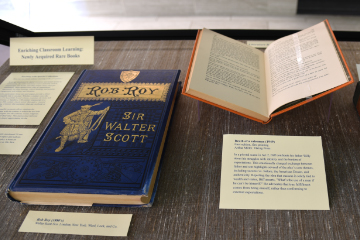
186, 205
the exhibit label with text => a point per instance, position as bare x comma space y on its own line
273, 172
52, 51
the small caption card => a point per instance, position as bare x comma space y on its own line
259, 44
14, 140
273, 172
77, 223
52, 51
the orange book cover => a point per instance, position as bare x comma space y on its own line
340, 54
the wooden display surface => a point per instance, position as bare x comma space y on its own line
187, 201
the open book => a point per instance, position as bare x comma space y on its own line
292, 71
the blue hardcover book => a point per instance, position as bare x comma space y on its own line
104, 144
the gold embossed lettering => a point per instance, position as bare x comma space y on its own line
110, 125
126, 127
118, 127
151, 126
143, 136
127, 138
134, 137
117, 139
140, 115
122, 91
135, 125
108, 137
143, 127
126, 115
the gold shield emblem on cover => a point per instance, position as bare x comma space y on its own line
128, 76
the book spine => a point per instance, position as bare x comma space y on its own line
191, 62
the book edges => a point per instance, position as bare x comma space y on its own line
156, 172
72, 199
339, 51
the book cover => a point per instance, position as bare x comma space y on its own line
104, 144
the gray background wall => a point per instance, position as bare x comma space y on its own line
141, 8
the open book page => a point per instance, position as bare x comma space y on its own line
302, 65
229, 73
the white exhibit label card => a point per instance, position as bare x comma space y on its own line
52, 51
358, 70
273, 172
14, 140
25, 98
259, 44
77, 223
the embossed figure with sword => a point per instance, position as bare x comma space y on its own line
78, 125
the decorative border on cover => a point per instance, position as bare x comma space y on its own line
122, 91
